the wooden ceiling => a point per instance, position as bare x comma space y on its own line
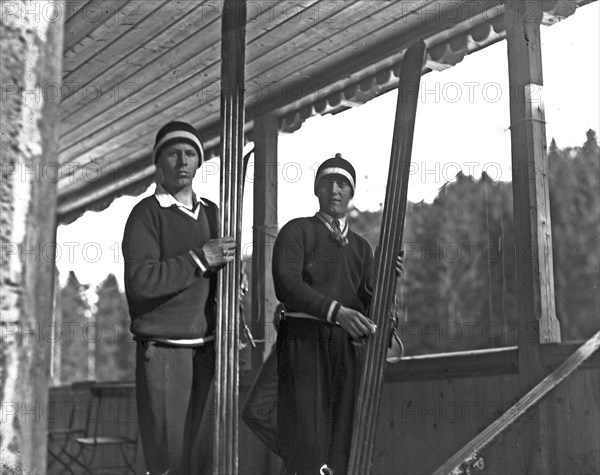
131, 66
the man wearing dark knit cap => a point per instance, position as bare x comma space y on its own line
172, 254
322, 274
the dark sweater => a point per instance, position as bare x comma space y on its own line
167, 293
310, 269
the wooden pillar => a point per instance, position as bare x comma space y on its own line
233, 47
537, 316
55, 342
264, 302
30, 78
533, 240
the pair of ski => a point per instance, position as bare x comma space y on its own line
390, 243
232, 177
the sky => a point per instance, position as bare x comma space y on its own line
462, 125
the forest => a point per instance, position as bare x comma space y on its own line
458, 291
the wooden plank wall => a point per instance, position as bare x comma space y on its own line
425, 418
422, 423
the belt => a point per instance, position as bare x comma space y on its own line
300, 315
303, 315
185, 343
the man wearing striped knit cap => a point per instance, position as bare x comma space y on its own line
172, 256
322, 274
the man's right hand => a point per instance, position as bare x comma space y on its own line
355, 323
219, 251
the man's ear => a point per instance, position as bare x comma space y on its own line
158, 176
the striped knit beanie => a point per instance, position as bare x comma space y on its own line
336, 166
178, 132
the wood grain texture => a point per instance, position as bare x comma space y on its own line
132, 65
406, 431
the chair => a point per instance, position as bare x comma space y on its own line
105, 435
61, 438
58, 443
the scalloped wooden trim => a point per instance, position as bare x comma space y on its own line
440, 56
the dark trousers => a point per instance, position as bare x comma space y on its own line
317, 380
172, 389
260, 410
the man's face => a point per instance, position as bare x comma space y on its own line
178, 163
334, 193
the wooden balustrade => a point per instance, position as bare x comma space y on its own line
440, 401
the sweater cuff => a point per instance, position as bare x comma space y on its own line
334, 309
200, 261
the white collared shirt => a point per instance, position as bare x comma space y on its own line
166, 200
329, 219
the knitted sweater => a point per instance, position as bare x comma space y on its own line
310, 269
169, 296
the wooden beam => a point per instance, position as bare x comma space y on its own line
554, 354
454, 365
233, 47
32, 48
478, 363
531, 208
535, 281
264, 302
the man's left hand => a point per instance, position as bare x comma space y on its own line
399, 264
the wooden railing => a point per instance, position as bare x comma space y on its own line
120, 416
468, 456
433, 405
90, 408
438, 401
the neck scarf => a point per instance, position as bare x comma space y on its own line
337, 234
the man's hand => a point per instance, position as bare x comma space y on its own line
355, 323
219, 251
399, 264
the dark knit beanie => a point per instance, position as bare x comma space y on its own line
178, 132
336, 166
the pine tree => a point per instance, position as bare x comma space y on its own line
574, 176
75, 331
115, 349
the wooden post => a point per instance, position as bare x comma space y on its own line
535, 280
233, 47
55, 343
264, 302
30, 77
533, 239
